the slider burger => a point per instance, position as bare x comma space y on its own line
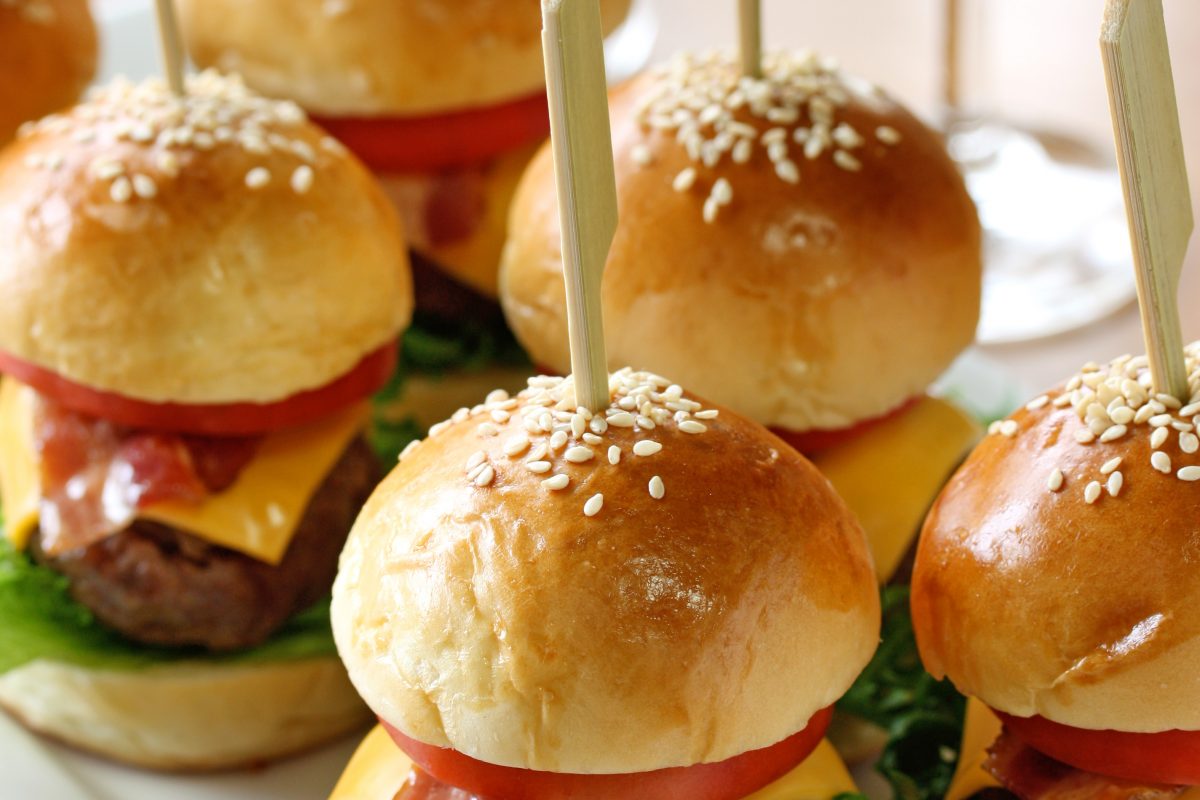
444, 99
1056, 582
799, 248
659, 601
47, 57
197, 295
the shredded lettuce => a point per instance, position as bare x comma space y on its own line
923, 716
437, 346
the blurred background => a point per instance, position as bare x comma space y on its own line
1031, 64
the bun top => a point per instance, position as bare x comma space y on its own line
47, 57
785, 229
378, 57
1059, 572
638, 590
209, 249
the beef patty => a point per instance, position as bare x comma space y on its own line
162, 586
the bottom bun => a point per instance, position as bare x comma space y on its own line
191, 716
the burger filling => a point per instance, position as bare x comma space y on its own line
1031, 775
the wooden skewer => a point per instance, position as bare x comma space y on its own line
170, 45
750, 27
573, 45
1141, 92
951, 58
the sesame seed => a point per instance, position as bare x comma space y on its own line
579, 454
1113, 433
1189, 442
558, 440
598, 425
516, 446
1091, 492
1084, 436
1188, 474
711, 207
1161, 462
645, 423
614, 455
1159, 438
487, 429
646, 447
1008, 428
657, 489
692, 426
685, 180
1190, 410
144, 186
1110, 465
1055, 481
722, 192
1114, 484
622, 419
710, 413
477, 458
538, 467
556, 482
846, 161
485, 476
302, 179
1037, 402
258, 177
887, 134
593, 505
121, 190
408, 449
1122, 415
640, 154
787, 171
1159, 420
578, 425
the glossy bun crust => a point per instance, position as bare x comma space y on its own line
156, 271
377, 57
812, 305
47, 57
504, 623
1040, 603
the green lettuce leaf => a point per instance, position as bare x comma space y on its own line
923, 716
39, 620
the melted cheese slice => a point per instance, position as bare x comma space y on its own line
890, 476
981, 729
257, 515
378, 769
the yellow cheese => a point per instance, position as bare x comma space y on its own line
19, 484
257, 515
981, 729
378, 769
890, 476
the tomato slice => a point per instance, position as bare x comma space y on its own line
217, 419
441, 141
818, 439
1169, 757
731, 779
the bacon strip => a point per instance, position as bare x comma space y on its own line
1032, 776
96, 475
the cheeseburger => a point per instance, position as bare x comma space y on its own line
661, 600
444, 99
47, 57
197, 295
1056, 583
799, 248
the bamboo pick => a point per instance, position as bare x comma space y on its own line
170, 46
750, 28
1141, 92
573, 44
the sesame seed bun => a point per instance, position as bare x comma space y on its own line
802, 305
189, 716
242, 256
377, 57
476, 608
47, 57
1078, 604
